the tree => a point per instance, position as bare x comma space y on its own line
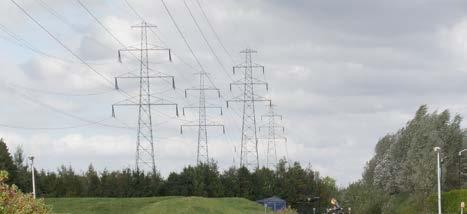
404, 163
245, 185
23, 176
92, 182
6, 162
229, 182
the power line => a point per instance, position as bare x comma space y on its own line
134, 10
71, 52
191, 51
189, 48
56, 14
206, 40
137, 14
186, 43
145, 139
115, 37
67, 48
182, 35
272, 136
61, 43
214, 31
52, 128
177, 90
35, 90
249, 144
100, 23
212, 51
24, 96
21, 42
72, 26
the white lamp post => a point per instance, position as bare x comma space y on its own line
459, 169
437, 150
462, 207
33, 177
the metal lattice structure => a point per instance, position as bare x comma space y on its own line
145, 154
273, 127
202, 153
249, 142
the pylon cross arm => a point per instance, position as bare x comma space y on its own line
145, 77
198, 107
250, 100
198, 125
144, 104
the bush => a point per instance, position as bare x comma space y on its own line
14, 201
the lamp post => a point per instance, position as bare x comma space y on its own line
437, 150
460, 156
462, 207
31, 158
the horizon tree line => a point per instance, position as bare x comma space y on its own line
295, 184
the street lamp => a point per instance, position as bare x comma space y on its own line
460, 156
437, 150
31, 158
462, 207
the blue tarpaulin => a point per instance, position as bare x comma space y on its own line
274, 203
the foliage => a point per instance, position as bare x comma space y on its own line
23, 176
403, 168
6, 162
290, 182
363, 198
13, 201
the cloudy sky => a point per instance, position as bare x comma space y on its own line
342, 73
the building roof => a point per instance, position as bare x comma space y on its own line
271, 199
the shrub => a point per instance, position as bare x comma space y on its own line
14, 201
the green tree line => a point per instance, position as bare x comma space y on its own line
402, 174
292, 182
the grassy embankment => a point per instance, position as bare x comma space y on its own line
172, 205
450, 203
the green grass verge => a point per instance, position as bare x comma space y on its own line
171, 205
450, 201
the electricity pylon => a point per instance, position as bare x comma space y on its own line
249, 143
202, 154
145, 158
272, 137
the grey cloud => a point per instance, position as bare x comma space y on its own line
344, 73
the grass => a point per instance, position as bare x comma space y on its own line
173, 205
405, 204
450, 201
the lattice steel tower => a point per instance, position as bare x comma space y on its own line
272, 127
249, 143
145, 155
202, 153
